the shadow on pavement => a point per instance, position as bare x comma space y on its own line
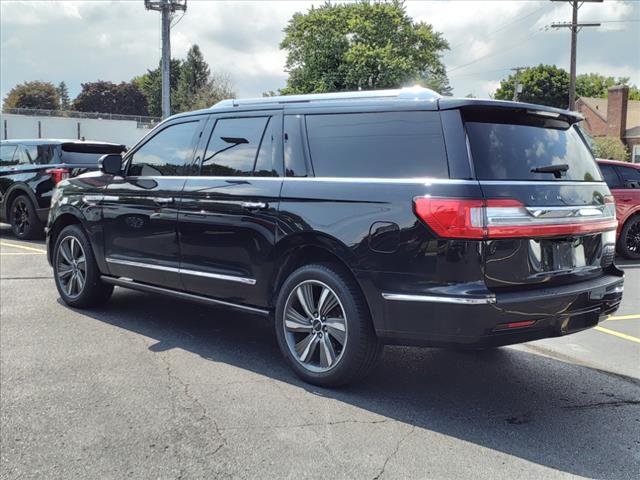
564, 416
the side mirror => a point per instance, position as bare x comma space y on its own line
110, 164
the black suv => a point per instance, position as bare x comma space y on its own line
29, 171
353, 220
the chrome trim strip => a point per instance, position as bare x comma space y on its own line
217, 276
402, 297
127, 283
559, 183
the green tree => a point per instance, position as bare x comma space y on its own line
544, 84
610, 148
42, 95
150, 84
362, 45
63, 94
108, 97
194, 77
596, 85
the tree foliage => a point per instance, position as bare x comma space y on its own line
544, 84
610, 148
362, 45
108, 97
150, 84
42, 95
63, 95
596, 85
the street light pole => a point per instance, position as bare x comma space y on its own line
166, 8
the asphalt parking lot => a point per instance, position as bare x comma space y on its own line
150, 387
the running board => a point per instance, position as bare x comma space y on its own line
143, 287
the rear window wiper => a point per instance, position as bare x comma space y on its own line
557, 170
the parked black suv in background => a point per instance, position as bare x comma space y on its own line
353, 220
30, 169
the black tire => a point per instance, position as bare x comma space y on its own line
360, 350
629, 241
24, 220
93, 290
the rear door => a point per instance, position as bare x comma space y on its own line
228, 210
549, 217
628, 195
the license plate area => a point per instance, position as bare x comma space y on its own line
566, 254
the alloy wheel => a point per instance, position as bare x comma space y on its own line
632, 239
21, 217
72, 266
315, 326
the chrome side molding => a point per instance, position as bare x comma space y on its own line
403, 297
198, 273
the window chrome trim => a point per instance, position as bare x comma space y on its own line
402, 297
217, 276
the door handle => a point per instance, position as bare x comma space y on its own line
163, 201
254, 205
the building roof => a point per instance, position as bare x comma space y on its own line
599, 106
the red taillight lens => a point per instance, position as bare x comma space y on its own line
508, 218
58, 174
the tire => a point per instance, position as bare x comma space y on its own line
629, 241
338, 344
24, 220
87, 290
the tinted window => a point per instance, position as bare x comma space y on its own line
6, 155
610, 175
166, 153
507, 147
233, 147
630, 176
294, 157
383, 145
266, 155
22, 156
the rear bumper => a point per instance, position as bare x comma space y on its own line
483, 321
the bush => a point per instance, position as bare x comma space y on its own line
610, 148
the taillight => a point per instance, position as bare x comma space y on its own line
58, 174
508, 218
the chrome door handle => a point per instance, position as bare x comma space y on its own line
163, 201
254, 205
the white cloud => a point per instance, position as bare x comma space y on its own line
91, 40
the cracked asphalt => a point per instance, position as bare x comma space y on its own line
150, 387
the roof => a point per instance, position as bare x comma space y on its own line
618, 162
55, 141
599, 107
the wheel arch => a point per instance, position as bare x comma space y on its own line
306, 248
67, 215
14, 191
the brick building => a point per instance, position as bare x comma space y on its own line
615, 116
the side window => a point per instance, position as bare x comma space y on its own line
630, 177
24, 153
610, 176
294, 158
6, 155
265, 161
232, 150
166, 153
33, 152
378, 145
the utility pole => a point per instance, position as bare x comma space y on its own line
517, 88
575, 27
166, 9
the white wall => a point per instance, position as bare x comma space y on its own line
26, 126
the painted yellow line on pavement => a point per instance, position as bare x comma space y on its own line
624, 317
7, 244
4, 254
618, 334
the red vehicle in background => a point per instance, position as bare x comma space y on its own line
623, 179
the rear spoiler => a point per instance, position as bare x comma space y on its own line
445, 103
86, 147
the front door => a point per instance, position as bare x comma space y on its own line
228, 210
140, 209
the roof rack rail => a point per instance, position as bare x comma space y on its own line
409, 93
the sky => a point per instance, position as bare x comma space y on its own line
82, 41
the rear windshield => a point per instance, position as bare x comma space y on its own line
507, 146
87, 153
